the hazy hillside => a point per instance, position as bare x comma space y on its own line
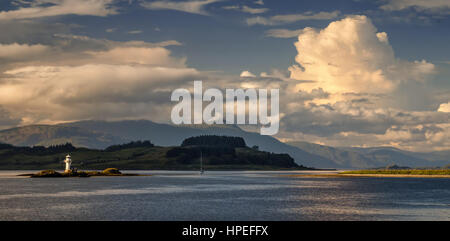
169, 135
375, 156
100, 134
343, 158
46, 135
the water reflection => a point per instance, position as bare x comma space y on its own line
223, 196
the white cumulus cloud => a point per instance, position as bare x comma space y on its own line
349, 55
247, 74
350, 80
444, 107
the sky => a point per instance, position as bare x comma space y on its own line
350, 72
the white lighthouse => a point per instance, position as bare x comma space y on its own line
68, 162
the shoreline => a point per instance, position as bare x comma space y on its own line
368, 175
311, 174
149, 173
33, 175
191, 170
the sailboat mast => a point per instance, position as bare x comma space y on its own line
201, 162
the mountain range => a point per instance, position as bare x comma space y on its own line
101, 134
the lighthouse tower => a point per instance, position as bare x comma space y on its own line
68, 162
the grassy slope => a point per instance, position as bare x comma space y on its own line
141, 158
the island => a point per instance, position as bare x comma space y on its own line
75, 173
209, 152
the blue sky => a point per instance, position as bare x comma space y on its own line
224, 39
380, 69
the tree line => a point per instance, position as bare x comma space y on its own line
133, 144
212, 140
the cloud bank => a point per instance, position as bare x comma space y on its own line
49, 8
291, 18
347, 86
246, 9
90, 79
283, 33
434, 5
194, 7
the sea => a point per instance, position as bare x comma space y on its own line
223, 195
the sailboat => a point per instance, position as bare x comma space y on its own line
201, 163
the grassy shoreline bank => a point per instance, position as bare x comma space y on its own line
401, 172
438, 173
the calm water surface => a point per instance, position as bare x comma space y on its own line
223, 196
